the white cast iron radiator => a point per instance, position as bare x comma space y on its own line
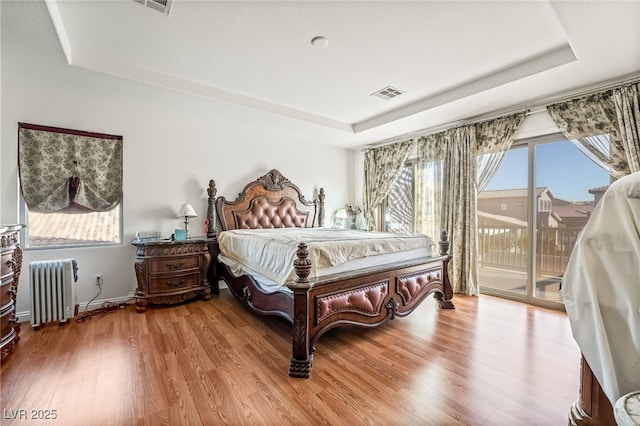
53, 291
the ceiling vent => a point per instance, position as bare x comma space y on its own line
388, 93
160, 5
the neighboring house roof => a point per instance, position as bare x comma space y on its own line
576, 210
544, 216
598, 189
496, 219
561, 202
512, 193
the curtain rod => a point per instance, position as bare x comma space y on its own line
531, 107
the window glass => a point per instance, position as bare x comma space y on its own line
50, 230
399, 207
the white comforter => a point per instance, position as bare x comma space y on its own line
601, 289
271, 252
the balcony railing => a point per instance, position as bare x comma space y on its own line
508, 246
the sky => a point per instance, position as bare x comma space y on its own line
559, 165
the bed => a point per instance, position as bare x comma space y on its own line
317, 299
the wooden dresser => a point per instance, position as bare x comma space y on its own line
10, 267
171, 272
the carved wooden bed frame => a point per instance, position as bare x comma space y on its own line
366, 297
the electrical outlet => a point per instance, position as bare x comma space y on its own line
99, 279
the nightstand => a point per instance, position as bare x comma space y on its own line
170, 272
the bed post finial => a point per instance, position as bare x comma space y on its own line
321, 208
211, 210
302, 264
444, 243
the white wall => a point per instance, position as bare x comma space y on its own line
173, 145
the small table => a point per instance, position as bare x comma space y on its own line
170, 272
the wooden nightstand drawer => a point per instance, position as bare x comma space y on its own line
172, 283
173, 264
171, 272
7, 293
5, 264
7, 321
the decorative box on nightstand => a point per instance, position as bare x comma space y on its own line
171, 272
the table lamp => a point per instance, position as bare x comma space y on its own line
187, 212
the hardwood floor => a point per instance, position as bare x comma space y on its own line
489, 362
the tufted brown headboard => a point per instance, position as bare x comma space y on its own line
271, 201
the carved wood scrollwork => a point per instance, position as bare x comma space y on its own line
392, 308
444, 243
140, 272
17, 263
320, 202
211, 211
300, 367
302, 265
273, 180
300, 328
247, 295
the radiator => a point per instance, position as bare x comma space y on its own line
53, 291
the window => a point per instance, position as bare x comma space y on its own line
70, 186
402, 212
399, 206
503, 207
525, 256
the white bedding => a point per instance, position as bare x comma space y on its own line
601, 289
270, 252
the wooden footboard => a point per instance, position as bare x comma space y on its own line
365, 298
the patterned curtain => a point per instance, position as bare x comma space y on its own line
457, 149
61, 169
429, 185
596, 148
627, 106
382, 166
493, 140
448, 187
460, 206
589, 116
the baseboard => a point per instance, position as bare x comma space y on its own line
25, 316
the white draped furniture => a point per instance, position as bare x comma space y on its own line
601, 290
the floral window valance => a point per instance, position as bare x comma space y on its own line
62, 169
614, 112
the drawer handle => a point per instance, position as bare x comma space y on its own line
175, 265
174, 284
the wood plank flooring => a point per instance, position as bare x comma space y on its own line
489, 362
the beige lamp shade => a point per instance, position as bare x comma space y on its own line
341, 214
187, 211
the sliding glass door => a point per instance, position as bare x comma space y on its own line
529, 216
